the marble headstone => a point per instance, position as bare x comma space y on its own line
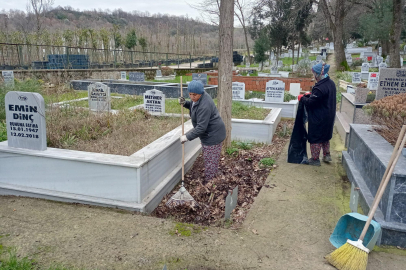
154, 101
238, 90
349, 59
274, 70
123, 75
136, 76
158, 73
99, 97
200, 77
8, 76
275, 91
25, 116
356, 77
392, 81
324, 56
365, 68
373, 80
379, 60
294, 89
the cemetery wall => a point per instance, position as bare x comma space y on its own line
259, 83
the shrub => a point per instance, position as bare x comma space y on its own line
267, 162
288, 97
390, 114
166, 71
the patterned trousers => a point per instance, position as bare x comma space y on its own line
315, 148
211, 156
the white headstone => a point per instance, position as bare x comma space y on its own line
294, 89
123, 75
25, 116
154, 101
294, 68
99, 97
238, 90
349, 59
401, 61
365, 68
8, 76
373, 80
275, 91
382, 65
136, 76
356, 77
200, 77
380, 51
350, 89
274, 70
324, 56
331, 46
280, 63
379, 60
158, 73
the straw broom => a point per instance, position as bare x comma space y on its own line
353, 255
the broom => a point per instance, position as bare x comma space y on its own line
353, 255
182, 196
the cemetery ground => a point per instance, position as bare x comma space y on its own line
287, 227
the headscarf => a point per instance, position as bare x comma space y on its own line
321, 70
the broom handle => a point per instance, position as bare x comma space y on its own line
183, 133
401, 134
382, 190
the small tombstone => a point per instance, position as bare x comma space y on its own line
274, 91
379, 60
351, 89
361, 55
324, 56
274, 70
294, 89
294, 68
380, 51
356, 77
365, 68
154, 101
373, 80
158, 73
319, 58
8, 76
25, 116
136, 76
331, 46
99, 97
401, 61
231, 202
391, 82
280, 64
349, 59
382, 65
123, 75
200, 77
238, 89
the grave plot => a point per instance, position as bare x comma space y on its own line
244, 165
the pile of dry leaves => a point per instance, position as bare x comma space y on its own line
241, 168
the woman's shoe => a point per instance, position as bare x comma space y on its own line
314, 162
327, 158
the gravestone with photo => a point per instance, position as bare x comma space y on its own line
154, 101
136, 76
123, 75
274, 91
200, 77
25, 117
373, 80
356, 77
8, 77
392, 81
238, 90
99, 97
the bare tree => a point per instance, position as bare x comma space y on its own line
242, 7
225, 76
39, 8
397, 23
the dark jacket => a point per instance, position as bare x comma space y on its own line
321, 109
206, 120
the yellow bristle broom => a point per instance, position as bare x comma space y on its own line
353, 255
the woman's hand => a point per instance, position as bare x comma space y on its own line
183, 139
182, 101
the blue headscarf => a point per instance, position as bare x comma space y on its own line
321, 70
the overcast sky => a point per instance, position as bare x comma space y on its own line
172, 7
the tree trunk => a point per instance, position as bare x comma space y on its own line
395, 32
341, 61
225, 65
298, 54
246, 43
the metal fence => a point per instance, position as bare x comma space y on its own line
25, 56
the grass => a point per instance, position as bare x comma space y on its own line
177, 79
185, 229
238, 110
3, 131
116, 103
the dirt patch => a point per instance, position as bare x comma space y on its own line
247, 169
123, 133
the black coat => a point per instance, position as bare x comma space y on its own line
321, 109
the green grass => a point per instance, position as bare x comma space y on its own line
116, 103
238, 110
3, 131
185, 229
177, 79
267, 162
58, 97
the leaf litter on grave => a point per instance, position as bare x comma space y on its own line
243, 169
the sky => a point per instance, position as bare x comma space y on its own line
172, 7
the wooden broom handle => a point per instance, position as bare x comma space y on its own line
183, 133
401, 134
382, 190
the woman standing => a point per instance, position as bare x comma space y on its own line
321, 109
208, 126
